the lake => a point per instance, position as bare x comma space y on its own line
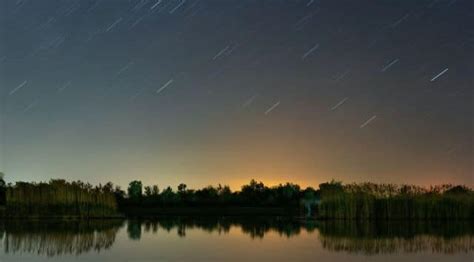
234, 239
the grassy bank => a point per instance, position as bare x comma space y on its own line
59, 198
391, 202
333, 200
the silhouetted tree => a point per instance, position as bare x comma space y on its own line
119, 193
155, 190
2, 189
168, 196
182, 188
135, 190
147, 191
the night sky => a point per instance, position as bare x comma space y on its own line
222, 91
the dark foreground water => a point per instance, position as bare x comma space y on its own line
234, 239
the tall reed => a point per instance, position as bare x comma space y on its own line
387, 201
59, 198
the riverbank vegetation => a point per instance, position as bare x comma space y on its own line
333, 200
254, 194
388, 201
59, 198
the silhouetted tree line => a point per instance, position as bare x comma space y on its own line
388, 201
333, 200
60, 198
254, 194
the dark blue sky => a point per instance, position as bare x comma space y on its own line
210, 92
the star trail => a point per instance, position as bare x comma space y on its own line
207, 91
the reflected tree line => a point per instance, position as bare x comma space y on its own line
381, 237
254, 227
55, 239
58, 238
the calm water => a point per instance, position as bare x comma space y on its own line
234, 239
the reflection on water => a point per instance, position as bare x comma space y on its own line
78, 237
58, 238
394, 237
254, 227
